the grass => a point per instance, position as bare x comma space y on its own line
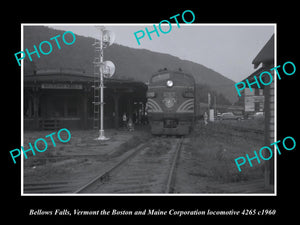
213, 150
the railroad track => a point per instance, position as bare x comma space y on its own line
172, 172
47, 187
149, 168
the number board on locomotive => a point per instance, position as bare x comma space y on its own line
171, 102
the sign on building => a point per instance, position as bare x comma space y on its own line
254, 102
61, 86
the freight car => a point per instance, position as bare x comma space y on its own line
171, 102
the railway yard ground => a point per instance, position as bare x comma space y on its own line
207, 159
137, 162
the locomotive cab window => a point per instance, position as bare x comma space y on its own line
161, 77
183, 79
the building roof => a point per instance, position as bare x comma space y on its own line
57, 77
68, 76
251, 78
266, 54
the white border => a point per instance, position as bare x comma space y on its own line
146, 24
22, 113
275, 110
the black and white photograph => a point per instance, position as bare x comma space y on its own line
138, 109
141, 113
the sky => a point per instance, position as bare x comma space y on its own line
227, 49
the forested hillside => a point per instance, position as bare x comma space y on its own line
137, 64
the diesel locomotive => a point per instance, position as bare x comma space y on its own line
171, 102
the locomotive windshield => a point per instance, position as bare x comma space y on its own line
161, 77
183, 78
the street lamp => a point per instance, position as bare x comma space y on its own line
106, 70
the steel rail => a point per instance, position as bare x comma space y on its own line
171, 176
102, 176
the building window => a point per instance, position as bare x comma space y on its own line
28, 106
71, 103
257, 106
55, 106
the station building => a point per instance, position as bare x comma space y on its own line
264, 100
55, 98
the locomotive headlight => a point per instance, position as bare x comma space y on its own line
169, 83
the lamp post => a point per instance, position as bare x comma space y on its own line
106, 69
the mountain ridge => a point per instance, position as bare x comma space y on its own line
131, 63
